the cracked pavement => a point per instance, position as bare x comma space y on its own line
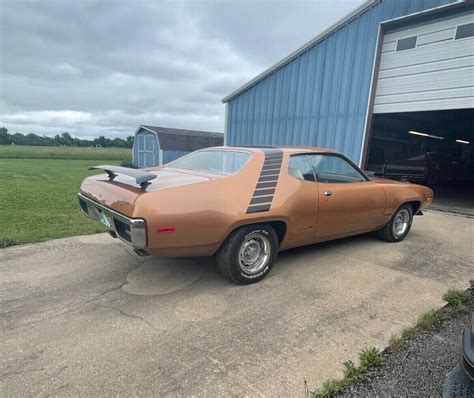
85, 316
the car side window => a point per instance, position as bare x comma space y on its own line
299, 167
334, 169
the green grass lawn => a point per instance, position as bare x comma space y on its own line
38, 196
63, 152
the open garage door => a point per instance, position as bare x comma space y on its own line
423, 111
434, 148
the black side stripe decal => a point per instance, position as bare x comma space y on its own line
267, 182
269, 173
272, 162
266, 185
268, 178
261, 199
263, 192
257, 209
276, 168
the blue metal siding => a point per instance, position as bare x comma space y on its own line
169, 156
320, 97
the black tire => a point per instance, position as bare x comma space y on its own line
231, 259
388, 231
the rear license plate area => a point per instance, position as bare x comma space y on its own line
105, 219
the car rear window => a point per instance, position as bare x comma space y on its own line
228, 162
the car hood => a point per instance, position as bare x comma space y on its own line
385, 181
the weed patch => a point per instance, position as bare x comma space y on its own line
368, 358
456, 298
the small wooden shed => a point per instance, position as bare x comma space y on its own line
154, 146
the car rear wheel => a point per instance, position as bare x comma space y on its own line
248, 254
398, 226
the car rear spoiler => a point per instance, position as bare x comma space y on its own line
142, 178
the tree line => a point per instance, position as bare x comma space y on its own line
64, 139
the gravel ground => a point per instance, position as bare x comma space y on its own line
420, 366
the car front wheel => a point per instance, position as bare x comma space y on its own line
248, 254
399, 225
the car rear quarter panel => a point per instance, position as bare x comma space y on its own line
202, 214
295, 203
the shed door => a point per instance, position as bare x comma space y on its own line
427, 66
146, 150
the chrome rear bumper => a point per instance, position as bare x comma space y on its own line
130, 230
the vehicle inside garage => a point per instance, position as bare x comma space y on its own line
431, 147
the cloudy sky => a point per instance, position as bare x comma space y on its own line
104, 67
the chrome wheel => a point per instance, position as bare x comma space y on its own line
254, 253
401, 223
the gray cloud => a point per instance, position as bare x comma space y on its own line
104, 67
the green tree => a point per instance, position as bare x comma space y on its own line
5, 138
99, 141
64, 139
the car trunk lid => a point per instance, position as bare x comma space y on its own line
121, 192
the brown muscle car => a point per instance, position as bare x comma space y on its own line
246, 204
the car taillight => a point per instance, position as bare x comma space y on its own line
167, 229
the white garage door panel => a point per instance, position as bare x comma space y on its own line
433, 37
467, 92
440, 80
419, 106
390, 46
445, 64
426, 54
438, 74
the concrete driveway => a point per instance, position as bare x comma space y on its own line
83, 316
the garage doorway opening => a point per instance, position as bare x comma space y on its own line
434, 148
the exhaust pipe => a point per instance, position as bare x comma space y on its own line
141, 253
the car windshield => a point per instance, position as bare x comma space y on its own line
228, 162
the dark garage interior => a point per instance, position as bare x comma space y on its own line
434, 148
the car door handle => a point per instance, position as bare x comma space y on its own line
327, 193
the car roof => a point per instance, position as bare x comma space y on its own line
286, 149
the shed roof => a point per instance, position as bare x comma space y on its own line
184, 140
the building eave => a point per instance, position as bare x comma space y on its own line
424, 13
339, 24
